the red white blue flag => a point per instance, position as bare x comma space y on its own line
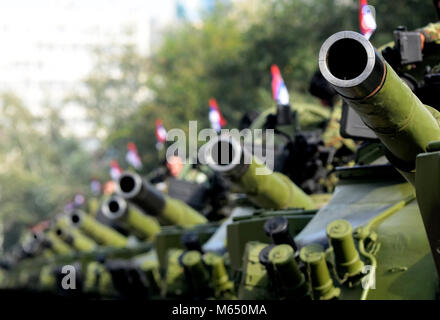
115, 169
132, 156
161, 133
215, 116
279, 89
95, 186
367, 22
78, 200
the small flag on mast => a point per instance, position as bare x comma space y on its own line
78, 200
215, 116
367, 22
279, 89
95, 186
115, 169
161, 134
132, 156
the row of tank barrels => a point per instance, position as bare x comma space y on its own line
383, 101
142, 208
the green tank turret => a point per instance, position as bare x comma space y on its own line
409, 129
353, 248
353, 242
138, 191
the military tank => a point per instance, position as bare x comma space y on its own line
375, 239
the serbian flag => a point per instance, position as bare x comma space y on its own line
69, 207
79, 200
215, 116
132, 156
95, 186
115, 169
161, 133
279, 89
367, 23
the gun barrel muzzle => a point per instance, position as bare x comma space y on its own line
138, 191
114, 208
99, 232
75, 238
145, 226
352, 65
267, 189
57, 245
132, 187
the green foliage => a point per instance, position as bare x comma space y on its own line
41, 169
185, 69
412, 14
229, 55
114, 88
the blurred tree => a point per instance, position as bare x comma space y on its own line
41, 169
185, 66
111, 94
410, 13
114, 88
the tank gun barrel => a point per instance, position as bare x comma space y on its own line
350, 63
116, 208
99, 232
271, 190
57, 245
133, 188
75, 239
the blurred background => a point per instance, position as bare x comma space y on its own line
81, 79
